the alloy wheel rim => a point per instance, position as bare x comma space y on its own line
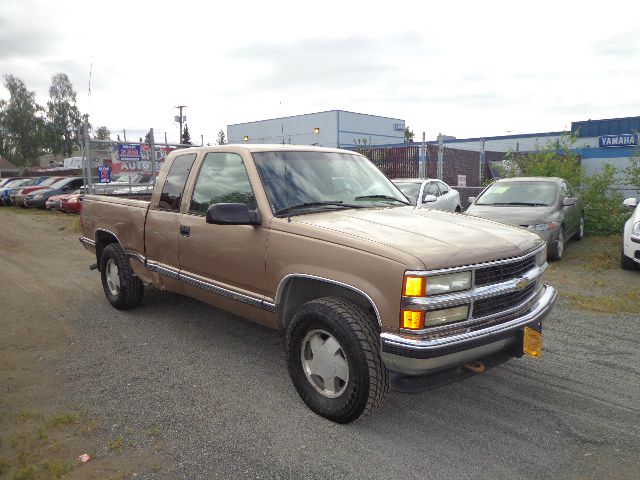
112, 277
324, 363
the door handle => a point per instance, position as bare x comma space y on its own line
185, 231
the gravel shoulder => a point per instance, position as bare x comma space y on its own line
177, 389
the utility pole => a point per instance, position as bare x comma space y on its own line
440, 155
482, 160
180, 119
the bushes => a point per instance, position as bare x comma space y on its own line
603, 212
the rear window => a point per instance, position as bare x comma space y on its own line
173, 187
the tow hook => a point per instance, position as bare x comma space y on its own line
93, 266
475, 367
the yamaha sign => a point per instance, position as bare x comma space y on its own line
623, 140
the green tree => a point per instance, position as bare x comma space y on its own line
103, 133
147, 138
222, 139
186, 138
21, 124
408, 135
632, 172
63, 115
556, 158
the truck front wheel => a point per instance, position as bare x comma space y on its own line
121, 287
333, 356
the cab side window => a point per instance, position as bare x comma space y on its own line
222, 179
173, 187
443, 188
431, 189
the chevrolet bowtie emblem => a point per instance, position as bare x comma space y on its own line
522, 284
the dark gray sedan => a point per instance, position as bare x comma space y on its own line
546, 205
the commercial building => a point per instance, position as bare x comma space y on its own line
333, 128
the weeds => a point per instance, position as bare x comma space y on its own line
57, 469
27, 472
115, 444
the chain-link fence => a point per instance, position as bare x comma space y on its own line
466, 167
122, 168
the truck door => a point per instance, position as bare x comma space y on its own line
162, 227
223, 264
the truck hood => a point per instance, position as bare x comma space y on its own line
26, 190
512, 215
437, 239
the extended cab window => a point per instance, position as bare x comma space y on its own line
174, 184
222, 179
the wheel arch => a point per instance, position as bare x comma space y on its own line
296, 289
102, 239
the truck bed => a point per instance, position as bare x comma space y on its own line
119, 215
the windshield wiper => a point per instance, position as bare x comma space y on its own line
336, 203
383, 197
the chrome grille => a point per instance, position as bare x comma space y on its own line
503, 272
500, 303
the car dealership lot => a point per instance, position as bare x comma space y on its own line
177, 389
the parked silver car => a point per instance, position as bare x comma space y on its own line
546, 205
429, 193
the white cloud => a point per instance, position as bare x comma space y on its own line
461, 68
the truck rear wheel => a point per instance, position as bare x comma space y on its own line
121, 287
333, 355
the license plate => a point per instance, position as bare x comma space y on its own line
532, 344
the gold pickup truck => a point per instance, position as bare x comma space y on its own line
320, 244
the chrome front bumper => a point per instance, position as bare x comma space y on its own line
411, 356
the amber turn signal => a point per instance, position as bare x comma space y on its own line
412, 320
414, 286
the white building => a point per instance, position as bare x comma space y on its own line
333, 128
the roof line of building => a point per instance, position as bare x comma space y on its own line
314, 113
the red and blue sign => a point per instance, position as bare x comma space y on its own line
129, 152
104, 174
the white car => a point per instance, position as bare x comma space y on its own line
630, 257
429, 193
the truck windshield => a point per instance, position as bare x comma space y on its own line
301, 182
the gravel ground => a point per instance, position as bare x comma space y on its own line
177, 389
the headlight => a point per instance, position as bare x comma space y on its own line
420, 286
541, 257
635, 230
73, 200
420, 319
37, 196
541, 227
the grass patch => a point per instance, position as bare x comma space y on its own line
64, 420
4, 465
57, 469
27, 414
115, 444
27, 472
628, 302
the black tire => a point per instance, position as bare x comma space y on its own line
458, 209
357, 336
121, 287
579, 235
627, 263
556, 249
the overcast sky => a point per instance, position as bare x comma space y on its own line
466, 69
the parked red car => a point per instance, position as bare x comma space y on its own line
55, 202
71, 203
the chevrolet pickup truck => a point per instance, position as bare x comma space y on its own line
318, 243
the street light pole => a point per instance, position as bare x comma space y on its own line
180, 107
